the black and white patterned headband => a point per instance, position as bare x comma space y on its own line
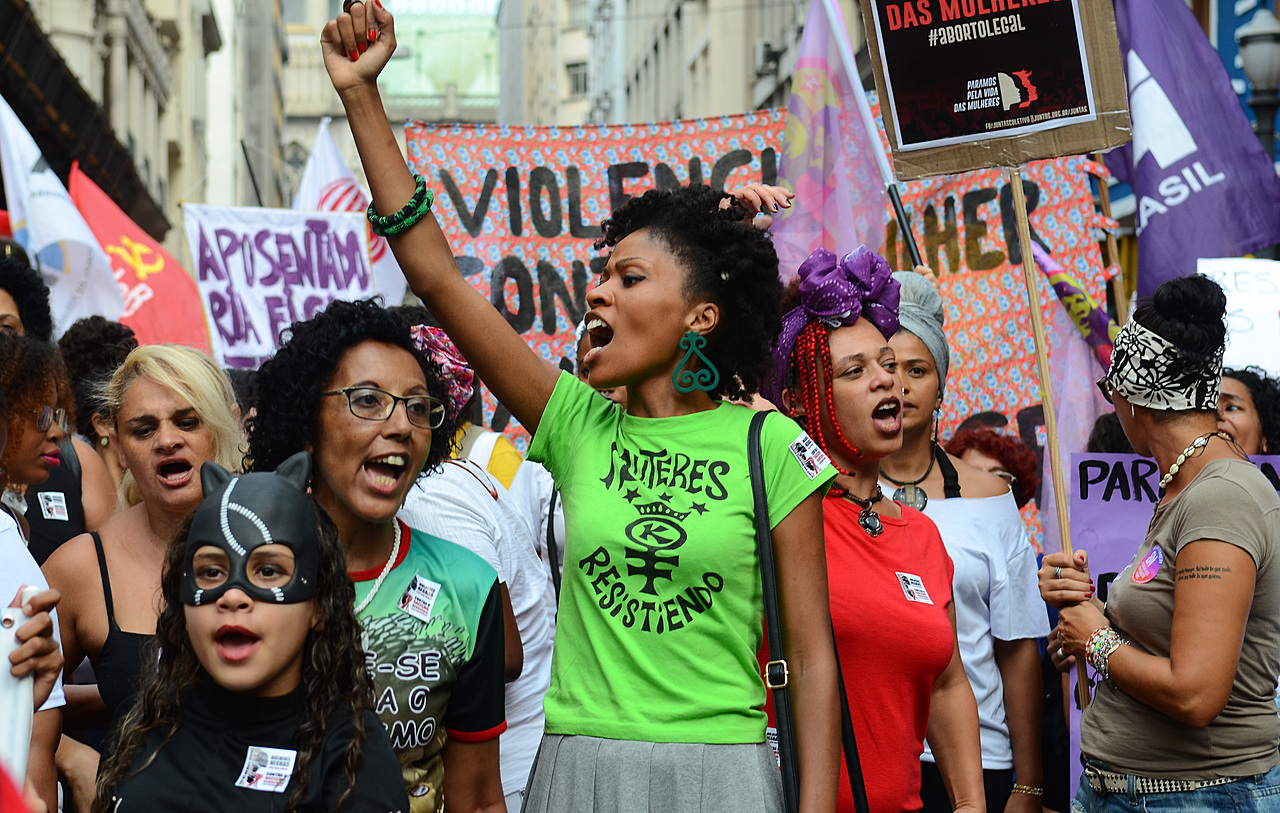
1149, 371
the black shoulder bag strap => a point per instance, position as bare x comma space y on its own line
776, 670
950, 477
552, 553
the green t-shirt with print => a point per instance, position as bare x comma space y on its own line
434, 646
661, 606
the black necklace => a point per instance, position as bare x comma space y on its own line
867, 518
909, 494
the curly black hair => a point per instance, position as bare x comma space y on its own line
1265, 392
290, 383
727, 261
92, 349
26, 286
334, 678
27, 368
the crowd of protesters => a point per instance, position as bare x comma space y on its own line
325, 585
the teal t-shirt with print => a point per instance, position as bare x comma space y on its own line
661, 607
434, 646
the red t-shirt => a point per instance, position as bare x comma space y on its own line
889, 597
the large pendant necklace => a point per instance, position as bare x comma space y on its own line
867, 518
909, 494
1194, 449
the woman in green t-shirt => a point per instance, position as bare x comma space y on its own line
654, 698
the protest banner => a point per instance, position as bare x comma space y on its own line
521, 206
995, 83
1253, 309
161, 302
260, 270
1112, 499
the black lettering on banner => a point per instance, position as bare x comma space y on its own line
948, 236
512, 268
1145, 475
471, 219
501, 417
726, 164
1119, 480
585, 231
1092, 472
1009, 218
551, 285
515, 220
545, 223
618, 174
975, 228
769, 167
469, 266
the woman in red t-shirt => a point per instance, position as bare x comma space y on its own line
889, 573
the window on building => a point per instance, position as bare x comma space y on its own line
295, 11
577, 13
577, 79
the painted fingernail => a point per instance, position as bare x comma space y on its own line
354, 56
360, 46
377, 3
373, 35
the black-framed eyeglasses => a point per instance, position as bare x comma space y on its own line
373, 404
1104, 387
46, 415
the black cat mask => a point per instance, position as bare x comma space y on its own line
244, 513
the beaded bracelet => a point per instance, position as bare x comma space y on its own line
409, 214
1098, 649
1028, 790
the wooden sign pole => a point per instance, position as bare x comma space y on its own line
1113, 250
1032, 277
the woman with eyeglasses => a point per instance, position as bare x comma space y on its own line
170, 410
35, 383
999, 613
1187, 647
1006, 457
351, 387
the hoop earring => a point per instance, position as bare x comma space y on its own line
707, 378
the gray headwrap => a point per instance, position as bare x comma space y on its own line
921, 312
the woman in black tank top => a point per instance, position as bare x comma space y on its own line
171, 411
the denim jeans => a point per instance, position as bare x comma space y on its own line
1249, 794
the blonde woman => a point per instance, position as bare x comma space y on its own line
171, 409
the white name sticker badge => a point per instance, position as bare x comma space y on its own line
913, 588
53, 505
267, 769
419, 597
809, 455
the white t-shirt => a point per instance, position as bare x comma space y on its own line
457, 502
531, 489
16, 569
996, 595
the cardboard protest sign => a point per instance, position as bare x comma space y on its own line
1113, 497
260, 270
985, 83
1253, 309
522, 205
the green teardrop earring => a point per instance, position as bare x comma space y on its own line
706, 378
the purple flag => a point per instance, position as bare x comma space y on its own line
1203, 183
832, 157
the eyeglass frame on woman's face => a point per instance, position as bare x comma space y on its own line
1104, 387
436, 411
46, 415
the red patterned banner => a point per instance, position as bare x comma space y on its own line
521, 206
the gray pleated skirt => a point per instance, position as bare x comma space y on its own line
576, 774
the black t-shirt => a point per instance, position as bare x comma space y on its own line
55, 508
231, 751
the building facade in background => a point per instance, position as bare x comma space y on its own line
545, 58
445, 69
652, 60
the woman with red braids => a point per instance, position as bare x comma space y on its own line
889, 573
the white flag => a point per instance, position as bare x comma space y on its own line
329, 185
50, 228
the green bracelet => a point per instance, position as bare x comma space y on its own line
409, 214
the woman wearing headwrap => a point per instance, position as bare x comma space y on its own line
999, 613
890, 575
1187, 647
